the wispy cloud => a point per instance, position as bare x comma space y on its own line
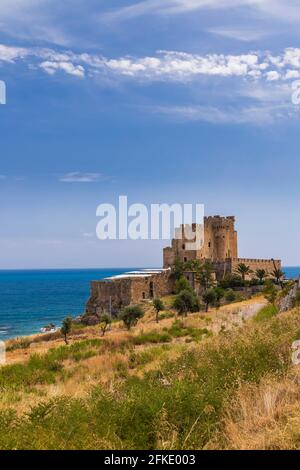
78, 177
259, 115
244, 34
169, 7
287, 10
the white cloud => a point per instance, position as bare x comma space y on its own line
77, 177
228, 73
291, 74
163, 66
52, 67
10, 54
272, 76
2, 177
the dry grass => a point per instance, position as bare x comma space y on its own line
227, 316
106, 368
265, 416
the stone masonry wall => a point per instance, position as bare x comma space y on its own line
120, 293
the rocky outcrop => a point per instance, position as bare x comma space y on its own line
288, 301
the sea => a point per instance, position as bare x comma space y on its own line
31, 299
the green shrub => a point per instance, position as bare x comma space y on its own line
231, 281
266, 312
230, 296
180, 406
186, 301
182, 284
131, 315
152, 337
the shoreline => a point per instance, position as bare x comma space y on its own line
20, 349
73, 312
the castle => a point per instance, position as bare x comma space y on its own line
219, 246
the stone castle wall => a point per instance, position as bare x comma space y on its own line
108, 294
116, 294
254, 264
219, 243
220, 247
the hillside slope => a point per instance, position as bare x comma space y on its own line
216, 381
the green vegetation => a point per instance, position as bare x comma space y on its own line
104, 322
243, 270
182, 284
278, 275
266, 312
46, 368
261, 274
159, 307
209, 297
180, 405
270, 292
230, 296
297, 300
179, 330
131, 315
152, 337
230, 281
186, 301
66, 328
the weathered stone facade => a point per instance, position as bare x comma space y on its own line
219, 246
219, 242
114, 293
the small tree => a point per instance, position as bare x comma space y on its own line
182, 284
209, 297
131, 315
230, 296
66, 328
186, 301
158, 306
205, 274
243, 270
261, 275
270, 292
177, 269
105, 321
219, 292
278, 275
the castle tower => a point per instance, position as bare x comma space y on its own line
219, 243
220, 238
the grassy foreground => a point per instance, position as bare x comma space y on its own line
178, 386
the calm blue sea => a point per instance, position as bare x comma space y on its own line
30, 300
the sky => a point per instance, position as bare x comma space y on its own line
165, 101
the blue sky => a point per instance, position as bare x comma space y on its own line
164, 101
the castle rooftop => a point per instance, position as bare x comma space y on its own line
144, 273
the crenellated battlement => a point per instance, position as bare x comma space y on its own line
220, 247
